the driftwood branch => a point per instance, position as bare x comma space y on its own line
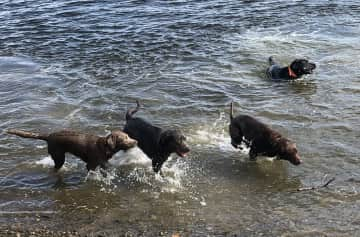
317, 187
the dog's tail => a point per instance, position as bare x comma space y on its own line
130, 112
28, 134
231, 110
271, 60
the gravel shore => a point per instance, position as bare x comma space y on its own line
18, 231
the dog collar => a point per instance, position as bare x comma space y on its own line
292, 73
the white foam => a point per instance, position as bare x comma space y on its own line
41, 146
48, 162
105, 178
270, 159
208, 137
212, 135
174, 170
131, 156
215, 135
45, 162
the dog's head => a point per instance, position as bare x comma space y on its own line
174, 141
118, 140
302, 66
234, 131
236, 139
289, 152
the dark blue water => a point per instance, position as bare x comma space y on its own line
81, 64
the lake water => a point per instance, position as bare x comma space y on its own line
81, 64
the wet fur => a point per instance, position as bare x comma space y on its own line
93, 150
261, 139
155, 142
299, 66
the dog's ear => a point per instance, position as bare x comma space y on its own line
111, 141
165, 137
286, 146
296, 65
279, 143
233, 130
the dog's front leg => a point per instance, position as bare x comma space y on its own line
252, 153
156, 165
104, 167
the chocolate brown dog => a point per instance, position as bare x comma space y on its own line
295, 70
155, 142
261, 139
93, 150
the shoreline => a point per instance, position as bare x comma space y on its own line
38, 231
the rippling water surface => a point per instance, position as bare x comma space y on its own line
81, 64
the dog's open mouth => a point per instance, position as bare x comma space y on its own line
311, 68
307, 71
182, 153
298, 162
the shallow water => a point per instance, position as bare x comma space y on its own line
81, 64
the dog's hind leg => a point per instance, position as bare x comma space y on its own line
59, 159
252, 153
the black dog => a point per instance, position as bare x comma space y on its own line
156, 143
93, 150
296, 69
261, 139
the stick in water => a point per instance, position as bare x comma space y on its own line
316, 187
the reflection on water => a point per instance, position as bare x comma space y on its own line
81, 65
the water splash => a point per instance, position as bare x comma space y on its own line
133, 156
105, 178
141, 171
132, 168
215, 135
48, 162
41, 146
212, 134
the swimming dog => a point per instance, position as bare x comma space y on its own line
295, 70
